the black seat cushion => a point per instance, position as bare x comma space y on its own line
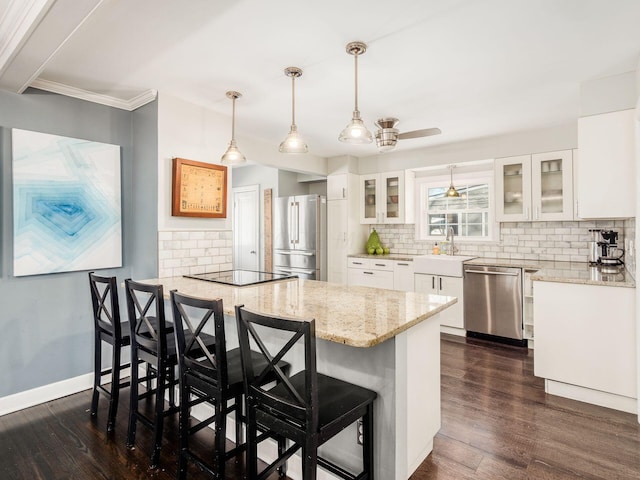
336, 398
234, 369
107, 329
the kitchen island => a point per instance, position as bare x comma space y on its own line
385, 340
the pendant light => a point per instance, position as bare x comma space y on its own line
356, 132
293, 143
233, 156
452, 192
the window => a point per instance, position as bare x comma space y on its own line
470, 215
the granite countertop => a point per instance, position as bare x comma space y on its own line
356, 316
563, 272
545, 270
389, 256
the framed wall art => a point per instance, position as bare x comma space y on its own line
67, 213
198, 189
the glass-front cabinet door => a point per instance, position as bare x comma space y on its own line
513, 188
384, 198
393, 198
369, 198
552, 185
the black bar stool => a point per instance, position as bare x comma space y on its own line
108, 329
209, 373
308, 408
152, 343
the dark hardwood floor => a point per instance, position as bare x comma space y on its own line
497, 423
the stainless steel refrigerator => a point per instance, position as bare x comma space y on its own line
299, 236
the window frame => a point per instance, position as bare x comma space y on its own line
422, 184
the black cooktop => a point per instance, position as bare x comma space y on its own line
240, 278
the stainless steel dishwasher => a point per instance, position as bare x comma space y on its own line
493, 302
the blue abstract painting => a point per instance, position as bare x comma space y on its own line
66, 204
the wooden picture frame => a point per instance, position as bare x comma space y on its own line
198, 189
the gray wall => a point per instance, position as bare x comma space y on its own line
143, 234
46, 320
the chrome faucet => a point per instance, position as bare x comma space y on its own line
452, 248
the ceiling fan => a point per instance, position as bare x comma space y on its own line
387, 135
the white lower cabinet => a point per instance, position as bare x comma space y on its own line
369, 272
403, 276
449, 286
586, 342
381, 273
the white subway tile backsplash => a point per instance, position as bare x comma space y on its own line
559, 241
194, 251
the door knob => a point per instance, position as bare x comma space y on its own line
252, 251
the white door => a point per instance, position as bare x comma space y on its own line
246, 228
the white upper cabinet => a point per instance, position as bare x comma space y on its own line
338, 186
513, 188
535, 187
552, 185
387, 197
606, 175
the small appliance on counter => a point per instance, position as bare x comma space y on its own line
604, 252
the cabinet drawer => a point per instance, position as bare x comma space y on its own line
370, 263
370, 278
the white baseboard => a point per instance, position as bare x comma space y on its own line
588, 395
461, 332
47, 393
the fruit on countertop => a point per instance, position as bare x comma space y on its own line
385, 250
374, 240
374, 245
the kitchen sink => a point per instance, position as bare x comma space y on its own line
447, 265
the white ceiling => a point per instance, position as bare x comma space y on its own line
471, 67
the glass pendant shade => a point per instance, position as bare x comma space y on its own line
356, 133
293, 143
233, 156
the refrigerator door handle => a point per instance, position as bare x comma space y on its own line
297, 222
297, 252
297, 270
290, 218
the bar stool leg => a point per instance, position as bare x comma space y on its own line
97, 368
309, 459
282, 447
115, 389
367, 442
133, 406
220, 436
159, 414
185, 412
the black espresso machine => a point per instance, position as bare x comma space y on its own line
604, 250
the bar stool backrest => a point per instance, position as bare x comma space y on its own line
145, 306
198, 355
106, 309
289, 403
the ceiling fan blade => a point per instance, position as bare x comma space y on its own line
419, 133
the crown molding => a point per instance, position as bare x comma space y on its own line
16, 24
62, 89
